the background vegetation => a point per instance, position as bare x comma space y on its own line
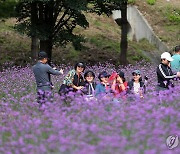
102, 37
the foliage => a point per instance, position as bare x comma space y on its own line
7, 8
151, 2
173, 15
131, 1
102, 125
56, 20
52, 20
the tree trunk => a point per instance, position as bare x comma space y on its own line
124, 32
34, 39
46, 45
34, 48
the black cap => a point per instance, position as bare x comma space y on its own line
121, 74
80, 64
42, 55
103, 74
89, 73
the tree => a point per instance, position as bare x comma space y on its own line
123, 22
7, 8
52, 21
107, 6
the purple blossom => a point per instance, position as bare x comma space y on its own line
81, 125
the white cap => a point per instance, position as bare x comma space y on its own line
167, 56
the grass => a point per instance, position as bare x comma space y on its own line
165, 19
104, 43
151, 2
102, 36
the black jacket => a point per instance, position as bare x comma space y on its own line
87, 88
164, 76
130, 86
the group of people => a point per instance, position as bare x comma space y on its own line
114, 83
108, 83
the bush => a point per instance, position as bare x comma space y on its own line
151, 2
7, 8
174, 15
131, 1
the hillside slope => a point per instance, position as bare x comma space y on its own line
102, 39
164, 17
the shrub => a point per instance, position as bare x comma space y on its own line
151, 2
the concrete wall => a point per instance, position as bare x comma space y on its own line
140, 28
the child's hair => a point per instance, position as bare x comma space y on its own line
89, 73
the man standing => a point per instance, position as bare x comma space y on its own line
175, 64
42, 73
164, 72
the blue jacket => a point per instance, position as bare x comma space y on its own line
100, 89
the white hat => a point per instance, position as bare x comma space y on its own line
167, 56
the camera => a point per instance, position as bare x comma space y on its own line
145, 78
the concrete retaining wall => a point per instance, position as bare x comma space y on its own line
140, 28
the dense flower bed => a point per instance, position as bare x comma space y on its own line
78, 125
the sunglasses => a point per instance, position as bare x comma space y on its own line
136, 74
89, 76
80, 66
165, 60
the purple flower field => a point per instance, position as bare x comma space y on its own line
79, 125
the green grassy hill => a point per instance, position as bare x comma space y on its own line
102, 38
164, 17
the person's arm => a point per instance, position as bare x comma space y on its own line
113, 86
77, 87
54, 71
122, 86
97, 90
162, 73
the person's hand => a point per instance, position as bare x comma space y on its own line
79, 88
114, 82
119, 79
178, 74
61, 71
141, 96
